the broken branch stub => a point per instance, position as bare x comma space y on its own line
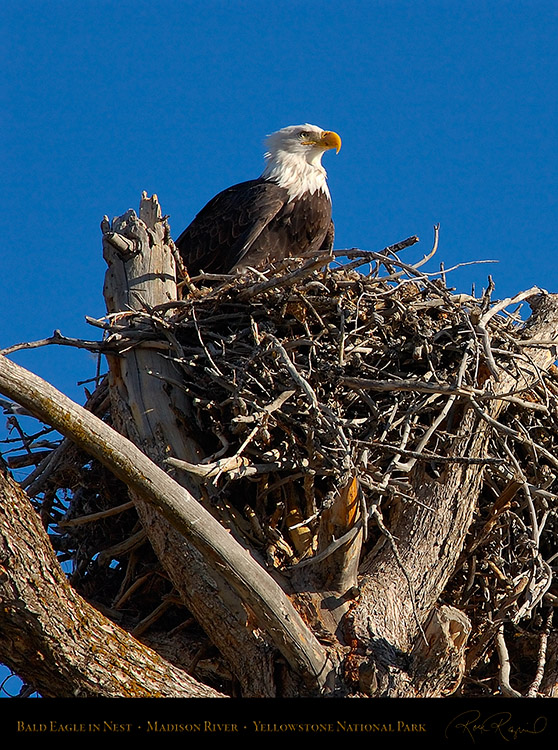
156, 414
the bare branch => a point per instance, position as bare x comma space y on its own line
278, 616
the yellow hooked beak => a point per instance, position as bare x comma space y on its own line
330, 139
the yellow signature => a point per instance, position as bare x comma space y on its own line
473, 724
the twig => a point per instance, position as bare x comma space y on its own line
293, 372
92, 517
541, 661
504, 658
498, 307
58, 339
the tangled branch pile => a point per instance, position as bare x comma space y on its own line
308, 377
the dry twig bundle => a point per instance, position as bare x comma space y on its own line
321, 377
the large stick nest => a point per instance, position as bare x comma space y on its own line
304, 377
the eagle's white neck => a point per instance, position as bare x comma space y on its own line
295, 173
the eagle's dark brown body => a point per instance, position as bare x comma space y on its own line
254, 223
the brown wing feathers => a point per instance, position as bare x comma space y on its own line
227, 226
254, 223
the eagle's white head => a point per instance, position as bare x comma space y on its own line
294, 158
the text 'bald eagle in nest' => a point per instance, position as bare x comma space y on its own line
285, 212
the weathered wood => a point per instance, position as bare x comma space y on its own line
155, 415
401, 582
439, 658
310, 386
56, 640
325, 584
262, 595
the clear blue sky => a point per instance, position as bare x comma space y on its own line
447, 110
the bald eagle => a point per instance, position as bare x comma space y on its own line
283, 213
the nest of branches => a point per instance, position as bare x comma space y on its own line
308, 377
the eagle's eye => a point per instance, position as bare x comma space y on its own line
304, 134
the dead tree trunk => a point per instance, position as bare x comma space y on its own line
153, 411
54, 639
